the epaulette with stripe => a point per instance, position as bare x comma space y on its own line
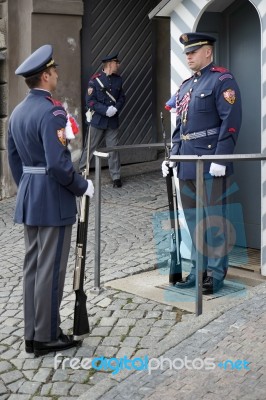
55, 102
95, 76
219, 69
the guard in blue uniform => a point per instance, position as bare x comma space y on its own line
105, 99
46, 200
208, 122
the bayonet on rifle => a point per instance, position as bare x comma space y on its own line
175, 273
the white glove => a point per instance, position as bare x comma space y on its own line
90, 189
217, 169
111, 111
165, 167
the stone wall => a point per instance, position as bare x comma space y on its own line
5, 181
26, 25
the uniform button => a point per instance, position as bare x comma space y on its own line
202, 95
209, 146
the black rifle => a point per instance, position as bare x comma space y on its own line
175, 273
81, 327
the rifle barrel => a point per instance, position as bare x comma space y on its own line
81, 323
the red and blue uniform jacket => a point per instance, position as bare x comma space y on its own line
208, 101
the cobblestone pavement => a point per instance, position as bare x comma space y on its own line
123, 325
238, 334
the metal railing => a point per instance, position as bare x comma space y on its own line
97, 267
99, 155
199, 207
104, 153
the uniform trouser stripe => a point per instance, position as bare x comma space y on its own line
55, 285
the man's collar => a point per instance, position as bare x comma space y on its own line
203, 69
43, 91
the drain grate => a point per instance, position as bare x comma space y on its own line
229, 289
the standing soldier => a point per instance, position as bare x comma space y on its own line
105, 99
46, 200
208, 122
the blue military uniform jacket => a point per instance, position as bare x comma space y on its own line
211, 103
98, 100
36, 138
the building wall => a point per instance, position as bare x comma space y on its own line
261, 8
26, 25
32, 23
4, 178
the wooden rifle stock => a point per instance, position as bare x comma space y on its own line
175, 272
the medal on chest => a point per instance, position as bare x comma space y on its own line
182, 107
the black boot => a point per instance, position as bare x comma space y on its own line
63, 342
211, 285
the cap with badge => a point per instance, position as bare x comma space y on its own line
194, 40
37, 62
111, 57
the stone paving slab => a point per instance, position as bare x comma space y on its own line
229, 289
154, 285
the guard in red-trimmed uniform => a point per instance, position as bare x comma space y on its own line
46, 200
105, 99
208, 122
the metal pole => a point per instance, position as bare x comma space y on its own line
97, 264
199, 234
